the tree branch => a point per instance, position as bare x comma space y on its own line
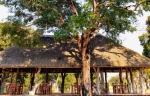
74, 10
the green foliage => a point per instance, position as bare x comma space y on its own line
145, 39
14, 34
114, 80
51, 77
61, 34
112, 16
145, 42
4, 40
69, 80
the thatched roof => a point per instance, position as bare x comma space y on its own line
104, 53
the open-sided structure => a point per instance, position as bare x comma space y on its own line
64, 57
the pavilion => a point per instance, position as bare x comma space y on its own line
63, 57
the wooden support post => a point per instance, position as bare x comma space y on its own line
142, 83
106, 85
121, 81
46, 76
102, 82
131, 77
17, 74
1, 74
128, 83
91, 82
120, 75
97, 80
3, 80
11, 79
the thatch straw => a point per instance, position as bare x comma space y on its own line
104, 53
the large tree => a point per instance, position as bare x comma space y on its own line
145, 39
145, 42
71, 20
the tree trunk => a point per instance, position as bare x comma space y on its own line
63, 75
37, 83
86, 81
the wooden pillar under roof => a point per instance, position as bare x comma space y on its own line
121, 80
91, 82
128, 83
46, 75
97, 71
3, 80
12, 73
0, 79
17, 74
120, 76
132, 82
102, 81
141, 80
106, 85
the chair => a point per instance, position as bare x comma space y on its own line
45, 89
12, 90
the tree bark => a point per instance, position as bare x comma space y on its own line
63, 75
86, 81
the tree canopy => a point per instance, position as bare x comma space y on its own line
69, 19
145, 39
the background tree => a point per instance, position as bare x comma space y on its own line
71, 20
145, 42
13, 33
69, 80
114, 80
145, 39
